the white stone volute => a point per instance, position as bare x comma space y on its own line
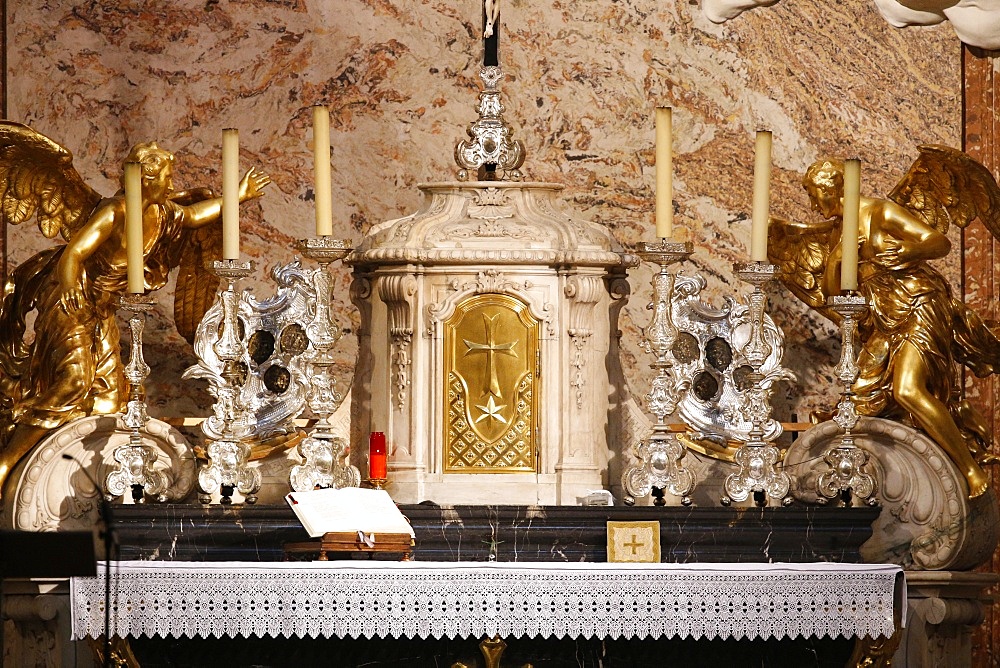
397, 293
48, 492
583, 293
927, 521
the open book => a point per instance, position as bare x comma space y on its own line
351, 509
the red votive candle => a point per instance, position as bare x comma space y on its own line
376, 456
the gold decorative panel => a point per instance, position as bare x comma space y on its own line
491, 354
634, 542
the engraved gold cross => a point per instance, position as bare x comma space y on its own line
489, 349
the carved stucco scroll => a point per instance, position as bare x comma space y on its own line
488, 281
583, 293
397, 293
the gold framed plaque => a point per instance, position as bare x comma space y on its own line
491, 358
637, 542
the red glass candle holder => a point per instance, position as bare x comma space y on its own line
377, 458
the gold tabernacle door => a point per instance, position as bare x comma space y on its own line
491, 357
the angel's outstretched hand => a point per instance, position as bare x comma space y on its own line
253, 184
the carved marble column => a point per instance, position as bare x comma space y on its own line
398, 292
585, 344
361, 386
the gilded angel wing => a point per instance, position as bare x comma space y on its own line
196, 285
801, 252
945, 186
37, 179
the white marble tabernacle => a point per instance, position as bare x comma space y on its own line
470, 243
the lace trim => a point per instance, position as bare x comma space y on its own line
421, 599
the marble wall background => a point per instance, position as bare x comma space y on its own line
400, 78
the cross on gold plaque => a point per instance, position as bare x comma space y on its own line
634, 544
634, 541
491, 389
491, 348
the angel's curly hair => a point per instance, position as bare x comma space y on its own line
826, 173
152, 158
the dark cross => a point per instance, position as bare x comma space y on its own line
491, 33
634, 544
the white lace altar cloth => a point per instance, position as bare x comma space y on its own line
369, 599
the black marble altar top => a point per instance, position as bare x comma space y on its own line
509, 533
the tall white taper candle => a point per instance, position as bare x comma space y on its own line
761, 197
133, 228
321, 165
849, 240
230, 194
664, 173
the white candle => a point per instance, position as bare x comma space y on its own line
134, 241
761, 197
849, 240
321, 164
230, 194
664, 173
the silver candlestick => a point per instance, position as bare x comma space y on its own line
659, 467
846, 476
135, 460
325, 456
757, 457
227, 469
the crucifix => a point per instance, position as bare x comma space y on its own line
490, 153
491, 33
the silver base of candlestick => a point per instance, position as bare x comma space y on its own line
491, 143
135, 460
659, 469
228, 472
227, 468
324, 465
325, 457
659, 457
847, 478
757, 458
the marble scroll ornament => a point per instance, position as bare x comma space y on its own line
927, 520
53, 488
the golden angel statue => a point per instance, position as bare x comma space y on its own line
914, 333
69, 365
